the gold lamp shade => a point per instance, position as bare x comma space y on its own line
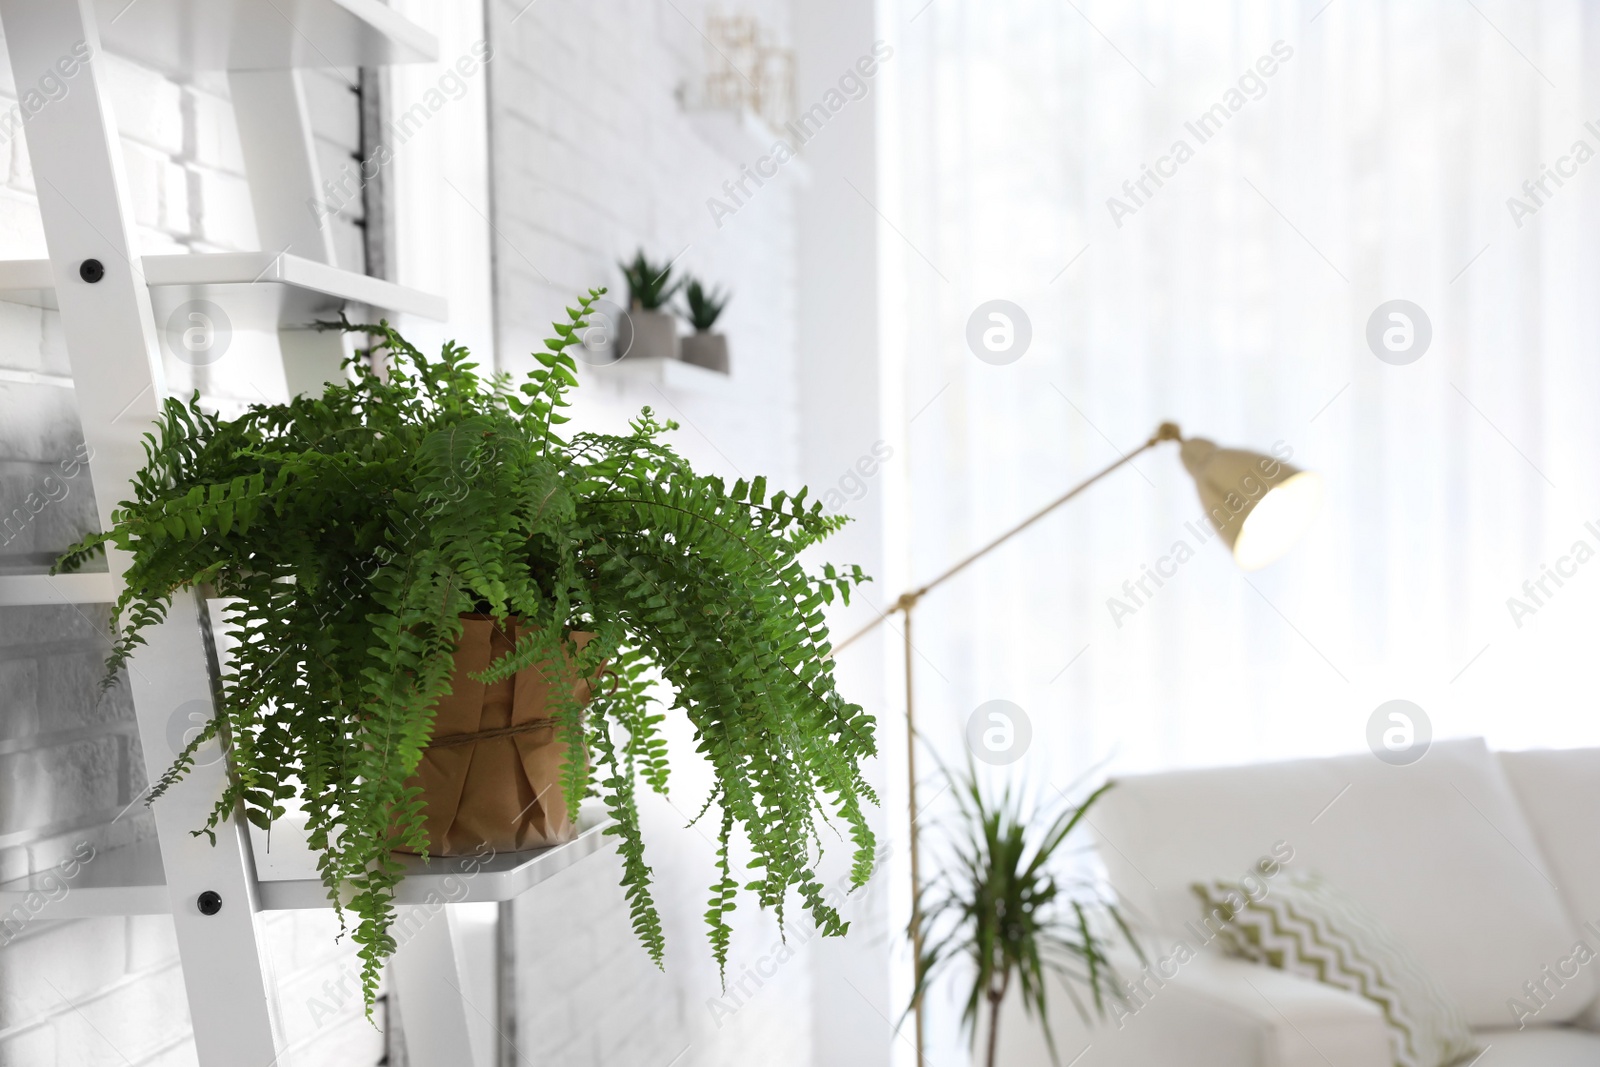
1259, 504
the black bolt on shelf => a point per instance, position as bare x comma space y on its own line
209, 902
91, 270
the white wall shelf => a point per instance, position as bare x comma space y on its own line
130, 881
460, 879
118, 881
259, 290
665, 373
183, 36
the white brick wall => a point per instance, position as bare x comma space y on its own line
587, 995
593, 158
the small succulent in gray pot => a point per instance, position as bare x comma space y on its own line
648, 331
704, 348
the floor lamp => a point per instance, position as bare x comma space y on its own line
1260, 506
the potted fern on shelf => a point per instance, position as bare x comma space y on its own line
704, 348
424, 573
649, 330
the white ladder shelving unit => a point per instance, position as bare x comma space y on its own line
110, 326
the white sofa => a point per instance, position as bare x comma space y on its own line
1486, 864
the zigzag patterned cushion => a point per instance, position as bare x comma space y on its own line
1307, 927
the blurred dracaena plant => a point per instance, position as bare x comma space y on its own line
1001, 906
352, 530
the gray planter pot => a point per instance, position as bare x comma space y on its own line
647, 335
708, 350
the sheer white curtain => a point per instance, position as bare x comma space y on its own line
1374, 162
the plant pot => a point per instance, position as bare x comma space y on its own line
708, 350
491, 774
647, 335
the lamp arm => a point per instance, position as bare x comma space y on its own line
1167, 431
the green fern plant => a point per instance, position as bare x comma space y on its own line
352, 530
1003, 910
650, 285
